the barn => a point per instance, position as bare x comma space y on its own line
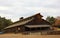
32, 23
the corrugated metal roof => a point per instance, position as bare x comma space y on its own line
33, 26
20, 23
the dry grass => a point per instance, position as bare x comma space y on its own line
28, 36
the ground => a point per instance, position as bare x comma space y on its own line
28, 36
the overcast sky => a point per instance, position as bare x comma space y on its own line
14, 9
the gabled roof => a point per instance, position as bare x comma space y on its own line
24, 21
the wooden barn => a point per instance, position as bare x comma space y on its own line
32, 23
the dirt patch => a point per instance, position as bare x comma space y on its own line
28, 36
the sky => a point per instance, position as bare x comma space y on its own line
14, 9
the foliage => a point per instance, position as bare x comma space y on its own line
50, 19
4, 22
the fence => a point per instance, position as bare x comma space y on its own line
51, 32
